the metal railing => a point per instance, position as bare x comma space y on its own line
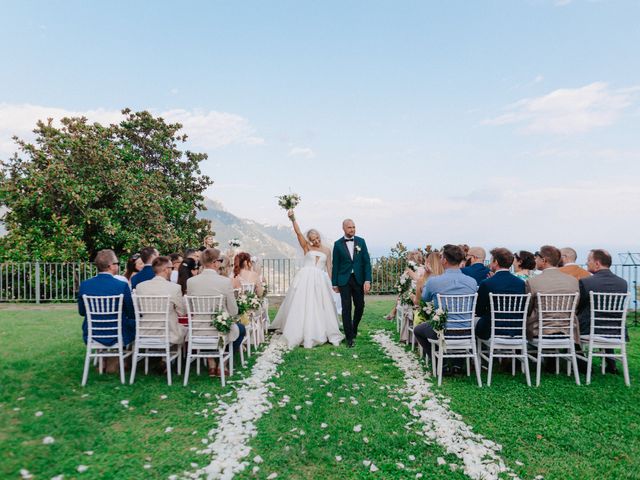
38, 282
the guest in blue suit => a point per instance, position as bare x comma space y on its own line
476, 268
105, 284
147, 255
502, 281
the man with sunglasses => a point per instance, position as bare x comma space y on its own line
551, 280
105, 284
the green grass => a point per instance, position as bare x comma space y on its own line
558, 430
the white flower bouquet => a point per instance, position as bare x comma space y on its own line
289, 202
222, 321
247, 302
234, 243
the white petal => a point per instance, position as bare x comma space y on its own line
338, 458
373, 468
38, 414
82, 468
357, 428
48, 440
272, 476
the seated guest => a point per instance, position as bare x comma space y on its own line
551, 280
451, 282
188, 268
134, 265
225, 268
104, 284
161, 285
148, 255
243, 273
503, 282
524, 264
569, 265
209, 282
476, 268
176, 261
603, 280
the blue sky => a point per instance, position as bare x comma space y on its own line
485, 122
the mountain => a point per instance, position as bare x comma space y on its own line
265, 241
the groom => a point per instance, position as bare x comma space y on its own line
351, 277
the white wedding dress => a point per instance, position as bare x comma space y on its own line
308, 315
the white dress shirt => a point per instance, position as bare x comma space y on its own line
350, 246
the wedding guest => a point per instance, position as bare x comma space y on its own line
451, 282
243, 273
134, 265
476, 269
209, 241
605, 281
501, 282
176, 261
104, 284
188, 268
524, 264
148, 255
568, 257
467, 260
161, 285
225, 266
551, 280
209, 282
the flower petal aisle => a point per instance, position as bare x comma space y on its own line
479, 455
227, 443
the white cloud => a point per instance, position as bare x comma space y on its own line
206, 129
301, 152
569, 110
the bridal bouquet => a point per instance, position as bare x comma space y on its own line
222, 321
289, 202
234, 243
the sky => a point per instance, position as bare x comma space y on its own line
496, 123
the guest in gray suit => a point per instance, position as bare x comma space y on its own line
603, 280
161, 285
551, 280
210, 282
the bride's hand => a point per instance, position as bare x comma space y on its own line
290, 215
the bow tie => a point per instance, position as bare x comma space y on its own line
348, 239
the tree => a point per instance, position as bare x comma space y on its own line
84, 187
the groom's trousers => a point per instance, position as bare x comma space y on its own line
350, 293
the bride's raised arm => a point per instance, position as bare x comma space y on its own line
296, 228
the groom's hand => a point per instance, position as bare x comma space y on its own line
367, 287
336, 289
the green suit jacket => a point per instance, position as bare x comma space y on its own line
344, 265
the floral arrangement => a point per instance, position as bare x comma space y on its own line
234, 243
413, 266
289, 202
222, 321
427, 312
248, 302
404, 289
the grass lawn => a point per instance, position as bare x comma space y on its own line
558, 430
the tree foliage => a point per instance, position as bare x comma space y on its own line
85, 186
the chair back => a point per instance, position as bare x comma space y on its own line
608, 315
556, 315
200, 310
460, 312
152, 318
104, 318
509, 315
247, 287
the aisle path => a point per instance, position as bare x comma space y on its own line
339, 413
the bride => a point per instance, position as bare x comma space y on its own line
308, 315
